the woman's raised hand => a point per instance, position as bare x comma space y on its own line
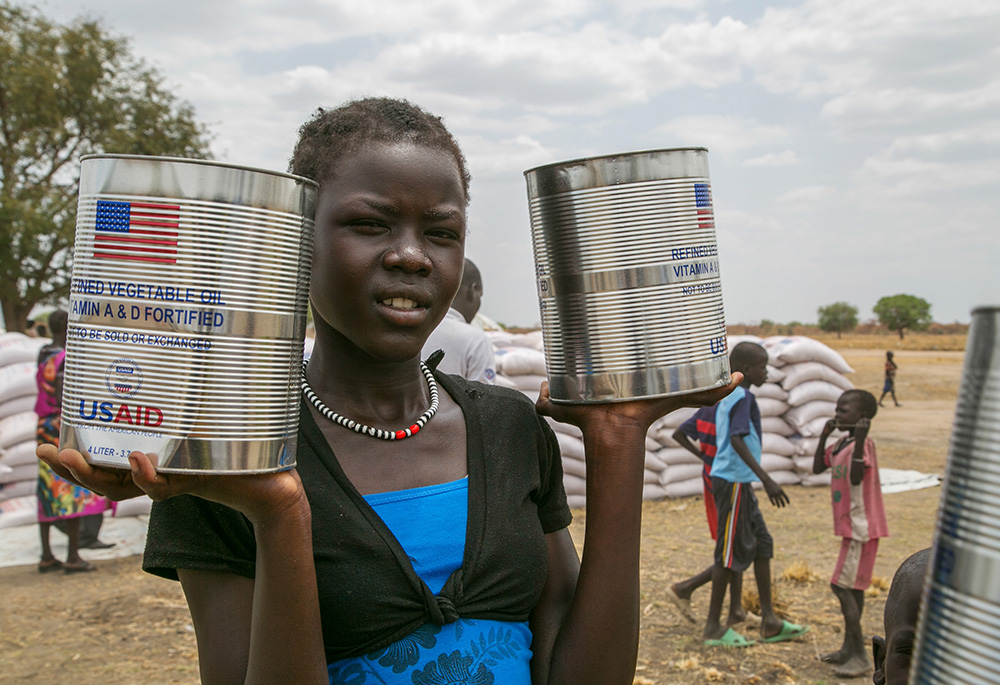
640, 412
255, 495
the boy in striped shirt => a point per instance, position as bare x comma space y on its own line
701, 427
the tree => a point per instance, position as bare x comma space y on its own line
67, 91
839, 317
899, 312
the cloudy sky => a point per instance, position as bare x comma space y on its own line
854, 146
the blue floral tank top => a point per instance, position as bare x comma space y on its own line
478, 652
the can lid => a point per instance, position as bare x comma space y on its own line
617, 170
206, 162
610, 157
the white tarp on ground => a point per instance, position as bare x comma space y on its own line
21, 545
904, 480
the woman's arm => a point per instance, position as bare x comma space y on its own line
232, 646
265, 630
221, 606
557, 596
597, 638
283, 637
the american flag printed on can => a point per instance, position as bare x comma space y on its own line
136, 231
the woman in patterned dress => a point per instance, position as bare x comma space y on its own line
58, 498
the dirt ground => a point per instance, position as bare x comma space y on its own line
120, 626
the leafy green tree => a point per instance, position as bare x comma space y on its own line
839, 317
899, 312
67, 91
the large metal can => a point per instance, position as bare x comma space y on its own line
187, 314
960, 613
628, 276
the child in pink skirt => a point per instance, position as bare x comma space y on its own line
858, 518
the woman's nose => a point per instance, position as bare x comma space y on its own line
407, 253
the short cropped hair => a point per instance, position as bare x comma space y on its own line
869, 405
912, 570
744, 354
471, 274
332, 134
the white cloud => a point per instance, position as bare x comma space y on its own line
784, 158
722, 134
807, 195
833, 127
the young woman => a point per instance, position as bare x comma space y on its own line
441, 557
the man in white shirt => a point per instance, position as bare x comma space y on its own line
467, 349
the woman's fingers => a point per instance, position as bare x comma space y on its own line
160, 486
257, 495
115, 484
709, 397
641, 411
50, 455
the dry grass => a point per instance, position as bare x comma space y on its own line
799, 572
945, 338
913, 342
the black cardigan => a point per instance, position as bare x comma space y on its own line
369, 594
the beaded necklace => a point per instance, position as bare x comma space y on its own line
368, 430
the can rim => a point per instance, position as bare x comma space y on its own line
204, 162
620, 155
986, 309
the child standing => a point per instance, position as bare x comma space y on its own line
742, 536
858, 518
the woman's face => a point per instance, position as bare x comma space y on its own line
389, 247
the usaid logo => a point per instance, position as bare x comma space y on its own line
123, 378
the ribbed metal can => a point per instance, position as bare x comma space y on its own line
187, 314
960, 614
628, 280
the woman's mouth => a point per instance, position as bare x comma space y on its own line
400, 303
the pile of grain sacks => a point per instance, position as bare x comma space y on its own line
18, 427
18, 424
521, 365
805, 378
812, 376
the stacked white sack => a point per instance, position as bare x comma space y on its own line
18, 429
521, 365
813, 376
18, 425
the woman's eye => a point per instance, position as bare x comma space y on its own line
444, 234
367, 225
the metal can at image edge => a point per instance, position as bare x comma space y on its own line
627, 270
960, 611
187, 314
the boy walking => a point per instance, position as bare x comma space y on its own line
742, 535
701, 427
858, 518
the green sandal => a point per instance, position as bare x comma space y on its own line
789, 631
729, 639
